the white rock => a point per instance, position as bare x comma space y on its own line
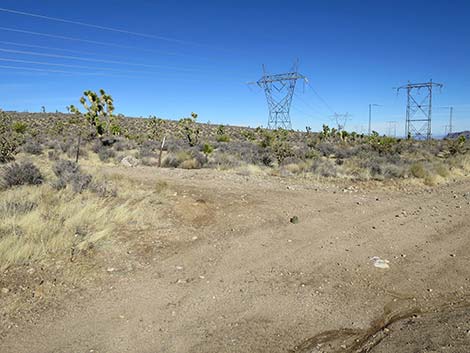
130, 161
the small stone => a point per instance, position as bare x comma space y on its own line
294, 220
5, 290
111, 269
179, 267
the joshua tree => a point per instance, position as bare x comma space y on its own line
99, 112
189, 130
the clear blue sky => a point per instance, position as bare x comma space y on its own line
353, 52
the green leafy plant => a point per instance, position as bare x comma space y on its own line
207, 149
19, 127
457, 146
222, 136
277, 142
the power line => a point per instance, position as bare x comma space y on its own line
72, 66
307, 104
62, 71
93, 60
46, 47
319, 97
90, 25
89, 41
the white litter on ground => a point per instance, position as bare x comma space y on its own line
378, 262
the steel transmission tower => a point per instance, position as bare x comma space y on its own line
341, 120
419, 111
279, 89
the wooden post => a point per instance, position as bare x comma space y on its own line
161, 151
78, 146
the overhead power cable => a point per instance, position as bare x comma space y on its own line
95, 60
319, 97
306, 103
16, 44
24, 68
90, 25
74, 66
89, 41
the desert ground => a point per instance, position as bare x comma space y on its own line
257, 263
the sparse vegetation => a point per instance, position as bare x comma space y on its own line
327, 154
8, 144
23, 173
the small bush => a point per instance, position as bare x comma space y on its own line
25, 173
325, 168
68, 173
171, 161
148, 148
72, 151
19, 127
418, 170
33, 148
123, 145
190, 164
53, 155
207, 148
223, 161
223, 138
185, 159
106, 153
441, 170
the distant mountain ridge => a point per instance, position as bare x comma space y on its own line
454, 135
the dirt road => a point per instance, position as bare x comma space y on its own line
238, 276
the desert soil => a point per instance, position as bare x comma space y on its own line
225, 270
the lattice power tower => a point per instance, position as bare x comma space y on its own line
419, 109
279, 90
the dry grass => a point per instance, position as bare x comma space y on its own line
40, 221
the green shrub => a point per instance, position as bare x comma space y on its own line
19, 127
223, 138
207, 148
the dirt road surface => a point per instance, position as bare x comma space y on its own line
235, 275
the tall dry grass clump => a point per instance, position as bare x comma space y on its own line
37, 221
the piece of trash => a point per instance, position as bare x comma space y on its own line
379, 263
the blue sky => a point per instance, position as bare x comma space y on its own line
200, 54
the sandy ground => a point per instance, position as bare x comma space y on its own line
228, 272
